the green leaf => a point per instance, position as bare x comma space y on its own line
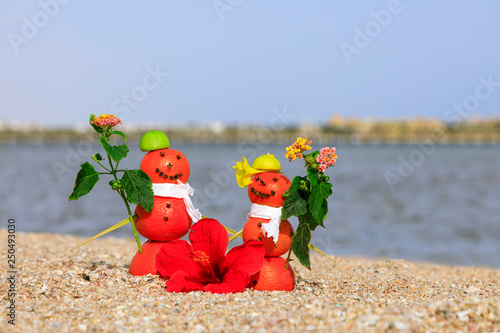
317, 201
115, 152
294, 186
120, 134
96, 128
294, 205
139, 188
86, 178
299, 246
310, 220
313, 177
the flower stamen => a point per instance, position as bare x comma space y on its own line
200, 256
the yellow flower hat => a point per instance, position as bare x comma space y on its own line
244, 172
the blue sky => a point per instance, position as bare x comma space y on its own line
239, 61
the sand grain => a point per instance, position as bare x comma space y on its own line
90, 290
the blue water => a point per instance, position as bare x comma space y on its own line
441, 204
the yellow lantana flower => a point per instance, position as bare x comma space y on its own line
295, 150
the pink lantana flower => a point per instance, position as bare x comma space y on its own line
326, 158
106, 121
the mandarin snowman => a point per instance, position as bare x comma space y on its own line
173, 212
266, 186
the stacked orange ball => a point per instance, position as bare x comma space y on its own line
267, 189
169, 219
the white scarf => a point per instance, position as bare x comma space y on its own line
180, 191
271, 229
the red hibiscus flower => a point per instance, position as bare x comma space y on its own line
204, 265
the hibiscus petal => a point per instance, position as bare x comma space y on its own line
182, 282
175, 256
210, 237
248, 257
233, 282
176, 283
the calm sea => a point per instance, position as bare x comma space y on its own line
429, 203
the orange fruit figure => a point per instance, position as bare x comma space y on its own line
166, 166
253, 230
267, 189
145, 263
167, 221
274, 276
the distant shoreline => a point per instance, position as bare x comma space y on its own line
236, 144
356, 134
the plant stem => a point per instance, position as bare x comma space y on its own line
131, 218
103, 166
236, 235
113, 170
288, 258
122, 194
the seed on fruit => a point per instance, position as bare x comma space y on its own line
275, 179
253, 230
157, 170
168, 164
169, 204
165, 218
162, 153
178, 157
161, 174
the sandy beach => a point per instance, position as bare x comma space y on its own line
90, 290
